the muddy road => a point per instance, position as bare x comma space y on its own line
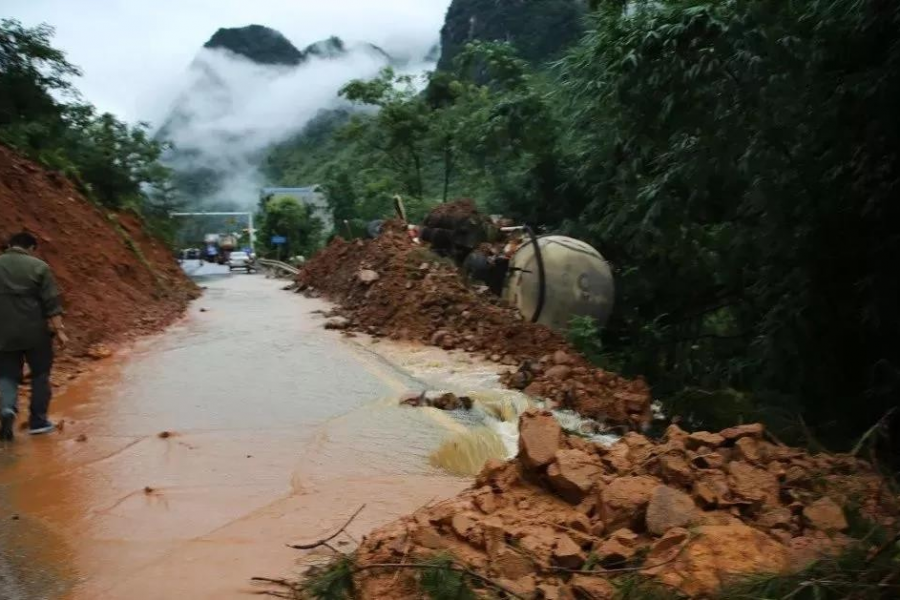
188, 462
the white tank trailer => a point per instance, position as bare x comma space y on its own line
574, 280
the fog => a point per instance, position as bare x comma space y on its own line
231, 110
144, 61
134, 53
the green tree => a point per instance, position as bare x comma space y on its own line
287, 217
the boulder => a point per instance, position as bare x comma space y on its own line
539, 438
711, 488
704, 438
752, 483
669, 508
776, 518
574, 473
825, 515
715, 555
624, 501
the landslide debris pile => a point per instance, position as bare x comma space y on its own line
390, 286
692, 512
116, 279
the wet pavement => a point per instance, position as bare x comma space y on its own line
188, 462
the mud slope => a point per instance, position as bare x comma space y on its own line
117, 280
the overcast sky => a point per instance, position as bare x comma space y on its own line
134, 52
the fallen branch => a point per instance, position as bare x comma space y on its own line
624, 569
324, 541
859, 445
464, 571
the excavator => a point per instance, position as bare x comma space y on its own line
549, 278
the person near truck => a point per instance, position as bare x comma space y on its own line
30, 317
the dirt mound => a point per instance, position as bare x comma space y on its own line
116, 279
451, 212
393, 287
691, 511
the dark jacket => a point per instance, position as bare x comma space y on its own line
28, 297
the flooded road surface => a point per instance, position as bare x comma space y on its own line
186, 464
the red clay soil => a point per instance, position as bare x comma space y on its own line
117, 281
691, 511
393, 287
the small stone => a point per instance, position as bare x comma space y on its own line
560, 357
776, 518
509, 564
825, 515
438, 337
368, 276
81, 438
612, 552
462, 524
675, 469
559, 372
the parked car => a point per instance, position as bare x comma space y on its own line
240, 260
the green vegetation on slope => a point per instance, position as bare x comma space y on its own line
42, 117
734, 161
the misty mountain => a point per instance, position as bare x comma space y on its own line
539, 29
247, 90
261, 44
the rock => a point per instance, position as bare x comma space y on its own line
624, 501
711, 488
549, 591
559, 372
534, 389
776, 518
539, 438
709, 460
616, 458
675, 469
368, 276
595, 588
566, 553
753, 430
673, 539
747, 448
716, 555
99, 352
509, 564
462, 524
674, 432
574, 473
797, 477
669, 508
427, 537
751, 483
438, 337
338, 323
450, 401
560, 357
81, 438
704, 438
825, 515
612, 552
805, 550
486, 502
526, 587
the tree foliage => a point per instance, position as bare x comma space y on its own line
737, 162
287, 217
42, 116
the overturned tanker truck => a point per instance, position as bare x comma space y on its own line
549, 278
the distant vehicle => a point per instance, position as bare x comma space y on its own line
240, 260
192, 254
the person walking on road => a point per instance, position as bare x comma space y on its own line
30, 317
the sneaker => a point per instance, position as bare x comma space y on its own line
6, 427
44, 426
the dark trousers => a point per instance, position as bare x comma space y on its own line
40, 362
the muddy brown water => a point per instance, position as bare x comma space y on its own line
279, 431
